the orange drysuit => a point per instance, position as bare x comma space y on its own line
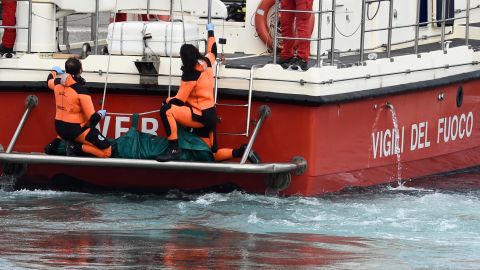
194, 104
75, 116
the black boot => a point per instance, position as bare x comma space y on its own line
6, 52
173, 152
285, 62
74, 149
52, 147
253, 157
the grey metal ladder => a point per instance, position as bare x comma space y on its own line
247, 106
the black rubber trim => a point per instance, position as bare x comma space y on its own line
23, 86
80, 89
176, 101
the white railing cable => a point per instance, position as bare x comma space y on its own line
130, 114
183, 21
109, 55
171, 48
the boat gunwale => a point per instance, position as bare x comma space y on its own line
261, 96
225, 167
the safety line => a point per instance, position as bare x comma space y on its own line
109, 54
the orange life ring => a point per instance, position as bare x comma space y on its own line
261, 22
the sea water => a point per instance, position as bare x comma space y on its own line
433, 226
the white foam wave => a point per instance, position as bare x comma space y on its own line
38, 192
309, 201
405, 188
252, 218
211, 198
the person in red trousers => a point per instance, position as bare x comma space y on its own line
9, 7
291, 21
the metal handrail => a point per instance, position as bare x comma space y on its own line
275, 32
29, 27
376, 1
332, 44
248, 105
417, 28
319, 33
30, 11
413, 24
30, 102
309, 39
13, 27
306, 11
209, 15
222, 167
232, 105
416, 25
148, 9
467, 23
319, 27
330, 81
97, 15
217, 70
250, 94
264, 112
390, 24
444, 12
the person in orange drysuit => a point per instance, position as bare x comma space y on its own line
194, 104
75, 117
289, 22
9, 8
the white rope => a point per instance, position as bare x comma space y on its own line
54, 20
130, 114
183, 21
109, 55
171, 42
171, 47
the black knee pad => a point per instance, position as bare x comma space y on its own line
163, 117
96, 138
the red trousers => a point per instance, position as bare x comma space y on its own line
291, 21
9, 7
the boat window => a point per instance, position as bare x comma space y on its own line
450, 11
423, 12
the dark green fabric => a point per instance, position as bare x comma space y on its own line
138, 145
61, 148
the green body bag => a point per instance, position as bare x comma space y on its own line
138, 145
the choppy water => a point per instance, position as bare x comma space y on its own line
432, 227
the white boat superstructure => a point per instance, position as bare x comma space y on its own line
350, 71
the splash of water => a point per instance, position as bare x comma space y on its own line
375, 128
397, 144
7, 182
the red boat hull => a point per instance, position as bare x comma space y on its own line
352, 143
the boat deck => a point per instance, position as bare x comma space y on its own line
242, 61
